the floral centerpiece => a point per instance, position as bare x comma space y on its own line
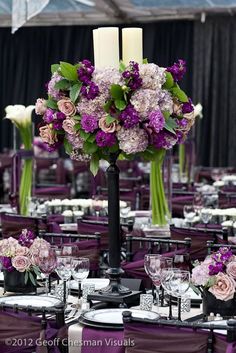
216, 279
21, 257
136, 110
21, 118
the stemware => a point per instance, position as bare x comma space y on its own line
154, 264
189, 213
47, 263
64, 269
206, 215
179, 282
80, 271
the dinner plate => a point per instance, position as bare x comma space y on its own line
99, 283
37, 301
113, 317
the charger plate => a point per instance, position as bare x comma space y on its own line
36, 301
112, 318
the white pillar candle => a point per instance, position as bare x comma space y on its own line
108, 47
132, 45
96, 52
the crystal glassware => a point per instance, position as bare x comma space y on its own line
189, 213
47, 263
63, 270
179, 283
206, 215
80, 271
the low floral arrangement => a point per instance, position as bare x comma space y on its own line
217, 274
138, 110
23, 255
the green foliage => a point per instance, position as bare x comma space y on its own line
62, 84
89, 148
169, 81
69, 71
77, 127
122, 66
116, 92
178, 93
110, 119
77, 117
74, 91
68, 147
107, 106
145, 61
170, 125
94, 164
166, 114
120, 104
54, 68
26, 277
84, 135
51, 103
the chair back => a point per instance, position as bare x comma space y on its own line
12, 224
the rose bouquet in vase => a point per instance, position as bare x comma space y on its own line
21, 261
215, 277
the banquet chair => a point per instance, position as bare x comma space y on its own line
12, 224
168, 336
199, 237
24, 329
212, 247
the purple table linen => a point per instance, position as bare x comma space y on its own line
102, 341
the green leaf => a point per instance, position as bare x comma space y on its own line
77, 127
169, 81
51, 104
94, 164
54, 68
107, 106
122, 66
120, 104
91, 138
69, 71
170, 125
195, 289
145, 61
116, 92
26, 277
89, 148
32, 278
166, 114
181, 95
68, 147
110, 119
114, 148
77, 117
62, 84
74, 91
84, 135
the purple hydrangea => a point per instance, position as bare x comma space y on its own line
177, 70
6, 263
52, 91
90, 91
164, 139
104, 139
132, 76
75, 140
132, 140
187, 107
89, 123
156, 121
129, 117
26, 238
48, 116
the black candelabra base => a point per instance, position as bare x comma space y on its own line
115, 288
121, 300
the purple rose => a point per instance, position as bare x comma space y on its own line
89, 123
104, 139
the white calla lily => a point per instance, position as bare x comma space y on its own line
19, 114
198, 110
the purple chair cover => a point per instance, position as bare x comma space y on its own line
12, 224
178, 203
27, 328
88, 228
62, 191
105, 341
150, 338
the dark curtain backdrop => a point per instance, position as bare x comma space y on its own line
209, 50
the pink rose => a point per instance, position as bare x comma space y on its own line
177, 108
224, 287
47, 134
231, 269
68, 125
109, 128
21, 263
66, 106
40, 106
21, 250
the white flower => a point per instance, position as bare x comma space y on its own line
198, 110
19, 114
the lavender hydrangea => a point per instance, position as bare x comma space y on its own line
177, 70
75, 140
92, 107
132, 140
104, 139
156, 121
89, 123
129, 117
106, 77
165, 101
26, 238
164, 139
153, 76
52, 91
80, 156
145, 101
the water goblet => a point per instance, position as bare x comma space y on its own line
179, 284
47, 262
80, 271
189, 213
154, 264
64, 270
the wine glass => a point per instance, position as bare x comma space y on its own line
80, 271
198, 202
206, 215
154, 265
64, 270
179, 283
189, 213
47, 261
